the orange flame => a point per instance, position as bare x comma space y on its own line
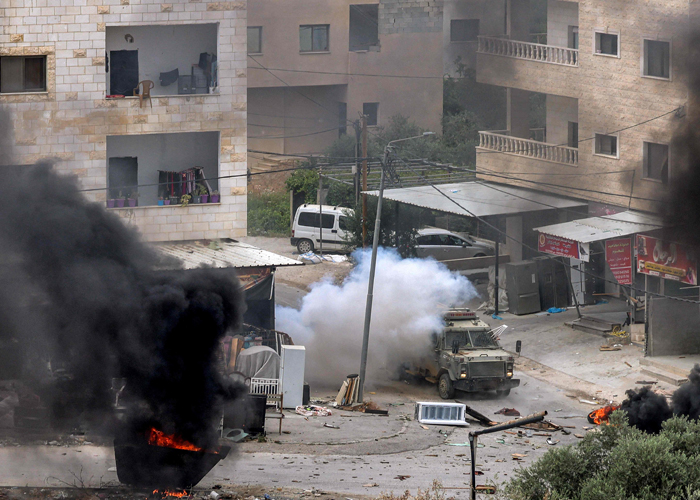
159, 438
601, 415
170, 493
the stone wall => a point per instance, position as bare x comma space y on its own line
70, 122
410, 16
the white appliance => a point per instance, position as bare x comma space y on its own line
293, 360
441, 413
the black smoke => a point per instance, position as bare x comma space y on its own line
646, 410
80, 291
686, 400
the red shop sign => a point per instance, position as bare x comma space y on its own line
556, 245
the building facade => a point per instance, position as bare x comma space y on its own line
69, 70
311, 63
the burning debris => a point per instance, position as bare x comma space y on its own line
81, 299
601, 415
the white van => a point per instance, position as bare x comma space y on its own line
306, 231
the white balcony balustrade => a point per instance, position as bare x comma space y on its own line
529, 51
525, 147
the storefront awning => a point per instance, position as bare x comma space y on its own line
480, 199
603, 227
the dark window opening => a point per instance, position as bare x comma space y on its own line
255, 40
464, 30
123, 177
606, 145
364, 27
124, 71
606, 43
657, 59
313, 38
371, 111
656, 161
342, 118
573, 135
22, 74
573, 37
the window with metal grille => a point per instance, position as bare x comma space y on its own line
22, 74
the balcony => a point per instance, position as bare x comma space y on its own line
528, 51
501, 142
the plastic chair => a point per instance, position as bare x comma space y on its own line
146, 86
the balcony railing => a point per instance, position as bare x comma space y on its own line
529, 51
526, 147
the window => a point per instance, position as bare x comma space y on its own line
607, 44
22, 74
573, 37
313, 38
310, 219
606, 145
255, 40
572, 141
342, 118
364, 27
464, 30
656, 161
371, 111
343, 223
657, 59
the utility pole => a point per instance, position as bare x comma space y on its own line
364, 181
373, 263
495, 297
320, 210
358, 147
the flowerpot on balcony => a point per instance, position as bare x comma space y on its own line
161, 202
196, 199
120, 202
205, 198
132, 202
110, 203
166, 202
174, 200
215, 197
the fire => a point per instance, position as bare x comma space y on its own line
600, 416
159, 438
170, 493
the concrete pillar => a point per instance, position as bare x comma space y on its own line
518, 113
514, 230
518, 20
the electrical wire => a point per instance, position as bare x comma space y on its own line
293, 136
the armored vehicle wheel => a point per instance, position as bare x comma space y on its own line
445, 387
305, 246
503, 393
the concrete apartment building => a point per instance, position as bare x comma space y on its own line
316, 52
605, 68
68, 70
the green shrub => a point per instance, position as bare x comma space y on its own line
617, 463
268, 214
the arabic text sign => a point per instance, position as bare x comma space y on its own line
618, 254
666, 260
557, 245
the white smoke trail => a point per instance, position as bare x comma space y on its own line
409, 296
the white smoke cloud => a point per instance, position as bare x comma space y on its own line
409, 297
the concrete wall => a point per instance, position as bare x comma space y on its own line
560, 111
409, 31
163, 48
171, 152
492, 22
674, 327
611, 94
71, 121
560, 15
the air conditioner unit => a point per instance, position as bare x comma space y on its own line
441, 413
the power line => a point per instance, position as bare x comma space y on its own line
340, 73
293, 136
499, 231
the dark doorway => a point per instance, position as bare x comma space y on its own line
123, 177
123, 72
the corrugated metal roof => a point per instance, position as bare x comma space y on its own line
480, 198
604, 227
223, 253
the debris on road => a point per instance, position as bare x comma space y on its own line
509, 412
609, 348
646, 382
401, 477
313, 411
588, 402
371, 485
330, 426
551, 442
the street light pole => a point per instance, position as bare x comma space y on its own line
373, 265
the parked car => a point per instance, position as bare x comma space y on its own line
306, 229
441, 244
